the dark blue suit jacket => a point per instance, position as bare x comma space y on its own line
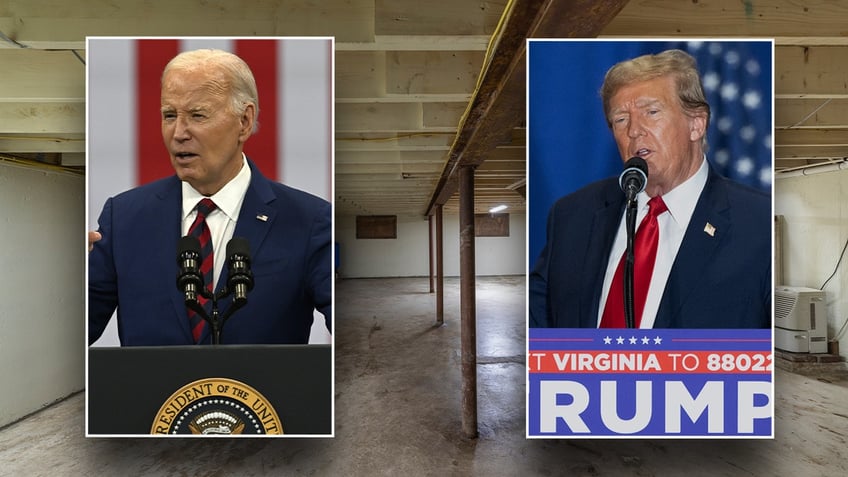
134, 266
720, 281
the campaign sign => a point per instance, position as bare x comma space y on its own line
649, 383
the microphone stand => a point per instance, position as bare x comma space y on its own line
216, 321
630, 226
190, 282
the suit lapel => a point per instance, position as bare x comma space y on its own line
254, 222
604, 224
255, 217
168, 204
698, 249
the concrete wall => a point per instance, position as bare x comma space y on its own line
407, 256
42, 235
815, 208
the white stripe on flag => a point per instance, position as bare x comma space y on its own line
305, 125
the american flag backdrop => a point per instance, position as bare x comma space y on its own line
294, 141
571, 146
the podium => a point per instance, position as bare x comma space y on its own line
155, 390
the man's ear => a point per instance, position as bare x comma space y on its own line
697, 126
246, 122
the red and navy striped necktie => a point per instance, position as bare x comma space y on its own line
200, 230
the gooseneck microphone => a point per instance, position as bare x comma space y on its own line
634, 178
189, 279
240, 278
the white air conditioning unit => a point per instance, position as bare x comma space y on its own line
800, 320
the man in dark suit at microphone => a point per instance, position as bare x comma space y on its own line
704, 256
209, 109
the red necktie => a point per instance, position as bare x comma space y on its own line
644, 256
200, 230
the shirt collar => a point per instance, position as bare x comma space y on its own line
228, 199
681, 200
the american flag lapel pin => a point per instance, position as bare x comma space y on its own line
262, 217
709, 229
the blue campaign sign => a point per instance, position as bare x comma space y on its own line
652, 382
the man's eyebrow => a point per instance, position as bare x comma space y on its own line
193, 109
642, 103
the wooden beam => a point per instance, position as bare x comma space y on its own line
436, 17
360, 74
811, 111
836, 150
30, 142
390, 157
811, 70
63, 24
499, 100
730, 18
432, 72
811, 41
41, 76
817, 137
56, 118
419, 43
410, 98
376, 117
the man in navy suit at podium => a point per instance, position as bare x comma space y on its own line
209, 106
709, 266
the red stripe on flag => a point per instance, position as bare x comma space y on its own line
262, 148
152, 160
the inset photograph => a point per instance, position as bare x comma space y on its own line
210, 278
650, 238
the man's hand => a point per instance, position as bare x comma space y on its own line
93, 237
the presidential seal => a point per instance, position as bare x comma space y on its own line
216, 406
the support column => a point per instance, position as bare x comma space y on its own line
430, 248
468, 301
440, 270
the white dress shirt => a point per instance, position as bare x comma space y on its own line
681, 202
222, 220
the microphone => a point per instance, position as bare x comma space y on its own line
634, 177
240, 278
189, 280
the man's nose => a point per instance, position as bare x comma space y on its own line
181, 128
635, 129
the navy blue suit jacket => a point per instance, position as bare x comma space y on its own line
134, 266
720, 281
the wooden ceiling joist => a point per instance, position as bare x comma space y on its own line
498, 105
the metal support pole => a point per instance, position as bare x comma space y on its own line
440, 270
467, 301
430, 248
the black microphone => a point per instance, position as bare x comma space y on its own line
634, 178
240, 278
189, 280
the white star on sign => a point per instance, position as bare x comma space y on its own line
711, 81
657, 340
645, 340
729, 91
747, 133
632, 340
751, 99
607, 340
745, 166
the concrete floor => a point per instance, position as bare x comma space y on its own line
398, 412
